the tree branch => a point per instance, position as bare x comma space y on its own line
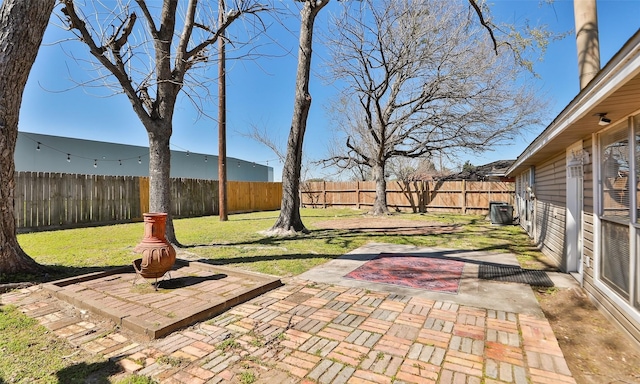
488, 26
98, 51
116, 43
147, 15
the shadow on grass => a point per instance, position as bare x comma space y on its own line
256, 258
53, 273
336, 234
439, 234
95, 373
508, 239
276, 215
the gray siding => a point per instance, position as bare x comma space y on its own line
600, 299
611, 310
550, 185
587, 180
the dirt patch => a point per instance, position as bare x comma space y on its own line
596, 351
389, 226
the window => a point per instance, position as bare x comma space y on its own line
615, 173
614, 267
619, 173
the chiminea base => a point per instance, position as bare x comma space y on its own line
137, 265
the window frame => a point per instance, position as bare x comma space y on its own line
630, 304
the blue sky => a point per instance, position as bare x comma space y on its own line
260, 92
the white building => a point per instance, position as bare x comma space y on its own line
45, 153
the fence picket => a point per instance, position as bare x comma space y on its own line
53, 201
458, 196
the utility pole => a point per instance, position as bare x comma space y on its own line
587, 40
222, 118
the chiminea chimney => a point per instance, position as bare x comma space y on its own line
586, 20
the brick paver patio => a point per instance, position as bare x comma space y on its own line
305, 332
197, 292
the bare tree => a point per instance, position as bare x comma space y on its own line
22, 26
402, 168
262, 135
424, 78
152, 60
289, 219
265, 137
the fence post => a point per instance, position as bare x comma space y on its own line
427, 195
324, 194
420, 195
144, 195
357, 194
464, 197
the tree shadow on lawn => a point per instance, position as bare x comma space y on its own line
439, 228
346, 237
95, 373
258, 258
328, 234
275, 217
449, 254
52, 273
63, 272
343, 238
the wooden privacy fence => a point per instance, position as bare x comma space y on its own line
458, 196
60, 200
57, 200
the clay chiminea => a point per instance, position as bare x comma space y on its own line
158, 255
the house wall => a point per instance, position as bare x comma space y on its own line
550, 187
607, 303
524, 201
608, 243
550, 207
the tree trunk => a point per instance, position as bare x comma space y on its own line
380, 202
160, 175
222, 119
289, 219
22, 26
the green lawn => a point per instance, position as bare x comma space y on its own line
238, 243
37, 356
29, 353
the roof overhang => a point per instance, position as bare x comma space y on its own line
614, 91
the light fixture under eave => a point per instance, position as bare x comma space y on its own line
604, 120
576, 162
